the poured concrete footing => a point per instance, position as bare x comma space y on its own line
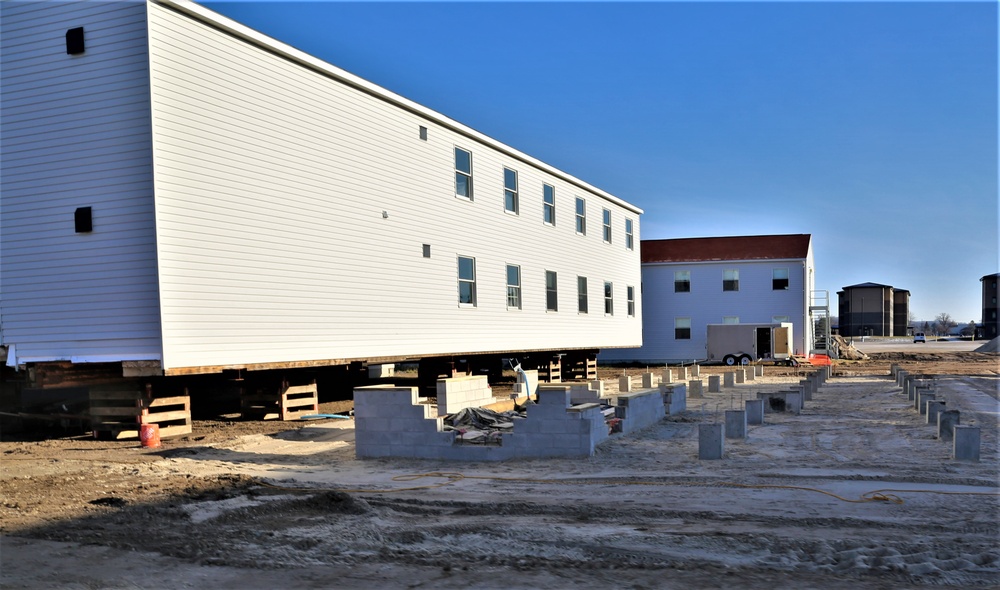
755, 411
946, 423
741, 375
695, 387
714, 383
736, 423
729, 380
695, 371
966, 443
923, 400
934, 407
710, 440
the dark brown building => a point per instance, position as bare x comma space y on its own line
990, 305
871, 309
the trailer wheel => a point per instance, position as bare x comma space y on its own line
729, 360
745, 360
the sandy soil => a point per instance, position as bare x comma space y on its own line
267, 505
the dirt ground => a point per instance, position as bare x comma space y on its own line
855, 492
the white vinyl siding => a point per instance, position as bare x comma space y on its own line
271, 180
76, 133
667, 314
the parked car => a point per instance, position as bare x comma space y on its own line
919, 337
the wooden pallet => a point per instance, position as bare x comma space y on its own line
118, 415
580, 367
291, 402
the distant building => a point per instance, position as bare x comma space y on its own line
990, 306
690, 283
871, 309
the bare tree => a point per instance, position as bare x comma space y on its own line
943, 323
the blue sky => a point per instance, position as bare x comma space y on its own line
871, 126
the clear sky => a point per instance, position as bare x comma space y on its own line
871, 126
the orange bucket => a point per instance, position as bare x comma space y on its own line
149, 435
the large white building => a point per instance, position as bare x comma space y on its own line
692, 282
180, 189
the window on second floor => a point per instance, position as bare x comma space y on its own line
730, 319
606, 216
581, 216
581, 294
682, 281
549, 204
510, 190
463, 173
513, 286
629, 239
609, 300
779, 279
731, 280
777, 319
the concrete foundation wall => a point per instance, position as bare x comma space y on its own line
641, 409
458, 393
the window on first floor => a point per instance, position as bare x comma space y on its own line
510, 190
731, 280
682, 328
779, 279
551, 291
513, 286
682, 281
581, 294
609, 300
730, 319
466, 281
630, 297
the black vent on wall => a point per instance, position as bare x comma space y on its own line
84, 220
74, 41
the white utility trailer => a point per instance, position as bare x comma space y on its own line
742, 344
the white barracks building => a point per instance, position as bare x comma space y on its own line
183, 192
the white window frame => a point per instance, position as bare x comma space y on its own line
467, 175
513, 289
467, 281
730, 319
629, 237
606, 218
548, 204
630, 298
679, 325
510, 194
774, 278
678, 279
581, 216
609, 298
582, 302
734, 273
551, 292
780, 319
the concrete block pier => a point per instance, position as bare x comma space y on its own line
710, 440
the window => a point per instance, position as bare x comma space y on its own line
628, 235
730, 319
463, 173
609, 301
682, 328
730, 280
607, 226
777, 319
513, 286
74, 41
551, 292
581, 216
630, 296
466, 281
549, 204
510, 190
779, 279
682, 281
581, 294
423, 133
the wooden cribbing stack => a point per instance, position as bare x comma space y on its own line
117, 412
290, 402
